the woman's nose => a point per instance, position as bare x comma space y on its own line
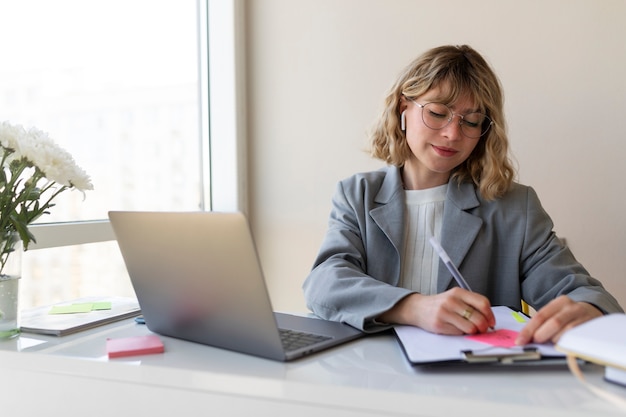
453, 128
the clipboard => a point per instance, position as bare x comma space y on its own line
423, 348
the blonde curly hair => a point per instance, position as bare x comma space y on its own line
457, 70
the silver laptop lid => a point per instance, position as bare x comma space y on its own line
197, 277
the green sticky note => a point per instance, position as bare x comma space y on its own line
101, 305
71, 309
518, 317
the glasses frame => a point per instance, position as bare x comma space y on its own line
462, 121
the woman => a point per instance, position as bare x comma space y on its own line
442, 134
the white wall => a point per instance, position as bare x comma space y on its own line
317, 72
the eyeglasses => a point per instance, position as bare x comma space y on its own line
437, 116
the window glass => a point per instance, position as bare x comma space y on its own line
115, 83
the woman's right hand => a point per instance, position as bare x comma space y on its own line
454, 312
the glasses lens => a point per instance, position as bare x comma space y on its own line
436, 115
474, 125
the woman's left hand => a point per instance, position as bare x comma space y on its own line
559, 315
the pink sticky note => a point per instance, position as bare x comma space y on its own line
501, 338
134, 345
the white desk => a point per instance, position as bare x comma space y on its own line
71, 375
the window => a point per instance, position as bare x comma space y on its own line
122, 86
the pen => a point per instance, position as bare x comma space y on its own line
448, 263
453, 269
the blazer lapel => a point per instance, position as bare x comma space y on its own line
459, 229
389, 215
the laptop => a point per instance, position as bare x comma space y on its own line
197, 277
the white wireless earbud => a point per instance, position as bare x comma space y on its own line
403, 121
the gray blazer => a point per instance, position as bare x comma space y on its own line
506, 249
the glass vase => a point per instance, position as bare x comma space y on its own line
9, 286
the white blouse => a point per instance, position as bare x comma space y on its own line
419, 260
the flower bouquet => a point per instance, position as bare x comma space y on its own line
33, 171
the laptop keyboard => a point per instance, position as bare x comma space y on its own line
293, 339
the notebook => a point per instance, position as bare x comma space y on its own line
197, 277
602, 341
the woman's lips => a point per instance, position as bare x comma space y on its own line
443, 151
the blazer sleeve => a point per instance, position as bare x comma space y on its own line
549, 269
341, 285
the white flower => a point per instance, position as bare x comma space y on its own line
9, 137
32, 167
55, 162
